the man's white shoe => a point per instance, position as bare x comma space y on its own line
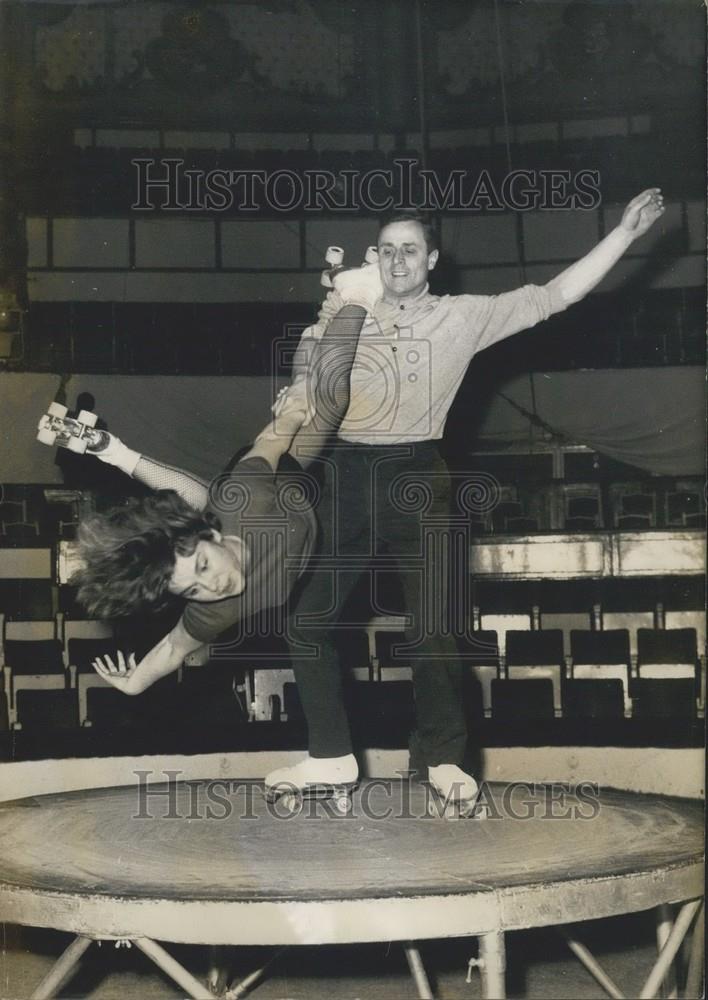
457, 791
314, 771
314, 778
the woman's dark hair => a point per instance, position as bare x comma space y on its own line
129, 552
424, 219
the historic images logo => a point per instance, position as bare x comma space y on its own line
164, 183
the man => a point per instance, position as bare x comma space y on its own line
391, 429
230, 549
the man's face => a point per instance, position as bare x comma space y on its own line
404, 261
213, 572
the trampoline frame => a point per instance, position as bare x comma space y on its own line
486, 914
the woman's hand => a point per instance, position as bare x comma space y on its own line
119, 674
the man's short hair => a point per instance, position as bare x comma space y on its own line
129, 553
425, 219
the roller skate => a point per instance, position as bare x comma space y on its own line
334, 257
453, 794
319, 778
78, 434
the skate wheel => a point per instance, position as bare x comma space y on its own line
291, 803
343, 804
87, 418
334, 256
45, 436
443, 810
57, 410
78, 445
371, 256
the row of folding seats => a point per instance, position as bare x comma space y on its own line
41, 662
511, 672
522, 510
590, 507
526, 674
34, 513
49, 684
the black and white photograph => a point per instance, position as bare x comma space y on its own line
352, 499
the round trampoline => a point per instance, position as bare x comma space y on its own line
211, 862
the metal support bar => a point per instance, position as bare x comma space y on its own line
585, 956
415, 964
62, 969
237, 990
668, 952
664, 924
694, 976
218, 971
492, 965
191, 986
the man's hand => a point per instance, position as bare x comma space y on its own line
119, 674
642, 212
293, 402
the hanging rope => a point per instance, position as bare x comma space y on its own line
534, 419
422, 113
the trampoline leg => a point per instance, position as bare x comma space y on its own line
694, 976
668, 952
664, 923
218, 973
62, 969
189, 983
586, 958
415, 964
492, 965
237, 990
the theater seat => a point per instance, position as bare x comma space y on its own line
32, 665
593, 699
667, 654
81, 653
664, 699
667, 683
602, 655
537, 655
522, 700
46, 711
479, 655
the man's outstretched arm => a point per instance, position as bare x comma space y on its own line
581, 277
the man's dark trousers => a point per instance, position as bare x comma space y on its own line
398, 495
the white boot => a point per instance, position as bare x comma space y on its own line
314, 771
457, 790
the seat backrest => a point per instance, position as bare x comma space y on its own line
537, 648
676, 645
34, 656
610, 646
